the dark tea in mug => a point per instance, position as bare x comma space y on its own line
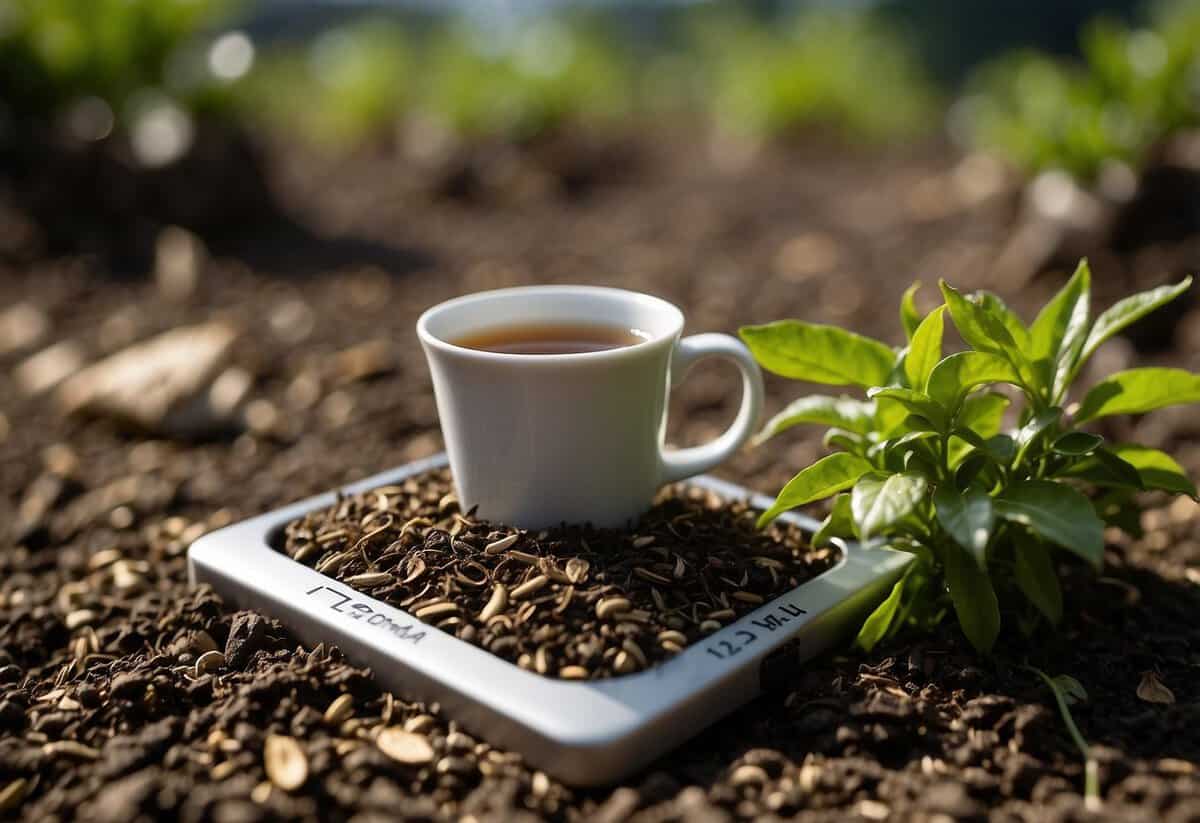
551, 338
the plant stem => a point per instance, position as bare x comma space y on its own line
1091, 769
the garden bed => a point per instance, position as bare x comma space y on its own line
113, 705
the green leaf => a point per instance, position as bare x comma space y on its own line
878, 501
1139, 390
916, 402
1058, 331
1062, 317
984, 331
1056, 513
839, 439
983, 413
1077, 444
967, 517
925, 350
879, 624
959, 373
819, 354
973, 597
910, 318
828, 476
1072, 690
1121, 314
843, 412
1153, 468
996, 307
839, 522
1104, 468
1028, 434
980, 330
1036, 577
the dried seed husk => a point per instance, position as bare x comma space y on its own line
433, 610
577, 569
496, 604
643, 541
634, 651
672, 636
419, 723
503, 544
573, 673
748, 775
529, 587
339, 710
369, 580
611, 607
285, 762
404, 747
624, 663
79, 617
748, 597
1152, 690
12, 794
209, 661
70, 748
651, 576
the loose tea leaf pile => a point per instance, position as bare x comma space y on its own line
574, 602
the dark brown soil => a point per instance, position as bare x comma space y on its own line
573, 602
110, 710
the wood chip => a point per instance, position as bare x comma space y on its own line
404, 747
285, 762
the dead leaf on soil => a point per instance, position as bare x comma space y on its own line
1153, 690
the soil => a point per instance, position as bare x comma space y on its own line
125, 695
573, 602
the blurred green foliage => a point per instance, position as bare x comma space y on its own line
1132, 88
512, 77
838, 68
55, 52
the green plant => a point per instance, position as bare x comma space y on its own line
843, 69
1133, 87
1068, 691
348, 83
55, 52
923, 465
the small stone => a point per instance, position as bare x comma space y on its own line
158, 385
404, 747
22, 325
43, 371
285, 762
245, 638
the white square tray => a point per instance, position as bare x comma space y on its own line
583, 732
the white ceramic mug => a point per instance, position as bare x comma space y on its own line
537, 440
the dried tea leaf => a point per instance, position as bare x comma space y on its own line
404, 747
1153, 690
285, 762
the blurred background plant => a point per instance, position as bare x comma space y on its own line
1133, 87
84, 68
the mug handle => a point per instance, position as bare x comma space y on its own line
679, 464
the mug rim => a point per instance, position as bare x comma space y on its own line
428, 338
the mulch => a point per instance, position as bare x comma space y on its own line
126, 695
